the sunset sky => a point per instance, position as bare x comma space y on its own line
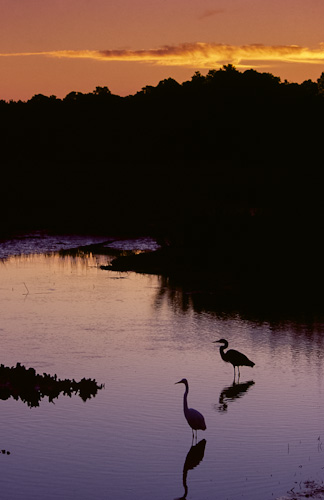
55, 47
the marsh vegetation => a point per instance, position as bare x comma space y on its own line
226, 170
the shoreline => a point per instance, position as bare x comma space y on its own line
197, 272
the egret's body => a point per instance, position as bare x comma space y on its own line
194, 418
234, 357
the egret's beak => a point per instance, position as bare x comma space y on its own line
215, 341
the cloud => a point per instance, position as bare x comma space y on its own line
198, 55
211, 12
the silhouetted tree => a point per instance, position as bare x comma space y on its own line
102, 91
309, 87
192, 155
73, 96
320, 84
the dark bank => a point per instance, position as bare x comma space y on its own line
225, 170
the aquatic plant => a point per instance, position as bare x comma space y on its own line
25, 384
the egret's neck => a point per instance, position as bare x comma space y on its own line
185, 403
221, 350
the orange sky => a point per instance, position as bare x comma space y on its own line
54, 47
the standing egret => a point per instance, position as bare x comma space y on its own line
193, 417
236, 358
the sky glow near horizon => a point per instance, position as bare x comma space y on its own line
57, 47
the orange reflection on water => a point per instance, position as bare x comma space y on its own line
139, 335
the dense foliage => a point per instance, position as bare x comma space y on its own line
21, 383
231, 160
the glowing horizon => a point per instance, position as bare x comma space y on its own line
54, 48
195, 55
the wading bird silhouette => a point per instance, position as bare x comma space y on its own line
236, 358
194, 418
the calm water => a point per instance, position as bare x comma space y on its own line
137, 336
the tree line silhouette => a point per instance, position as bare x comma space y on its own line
231, 161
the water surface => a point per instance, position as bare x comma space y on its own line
137, 336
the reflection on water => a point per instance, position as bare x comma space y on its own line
193, 458
25, 384
233, 392
42, 242
182, 298
139, 335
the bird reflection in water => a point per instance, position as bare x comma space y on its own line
193, 458
231, 393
